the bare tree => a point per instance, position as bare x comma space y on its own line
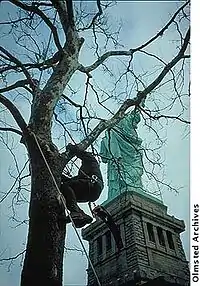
43, 68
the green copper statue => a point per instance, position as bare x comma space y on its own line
121, 150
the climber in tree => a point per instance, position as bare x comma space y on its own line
85, 187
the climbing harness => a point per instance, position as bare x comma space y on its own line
94, 179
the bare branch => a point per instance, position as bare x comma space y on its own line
14, 21
163, 116
15, 112
131, 102
63, 126
108, 54
13, 257
11, 130
70, 12
20, 83
75, 249
65, 12
17, 178
42, 4
20, 64
99, 13
104, 124
161, 32
170, 65
34, 9
102, 58
41, 66
71, 101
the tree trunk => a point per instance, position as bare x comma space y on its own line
43, 264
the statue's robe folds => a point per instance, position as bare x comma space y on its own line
121, 150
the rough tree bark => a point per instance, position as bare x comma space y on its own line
47, 228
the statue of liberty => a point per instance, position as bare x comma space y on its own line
121, 150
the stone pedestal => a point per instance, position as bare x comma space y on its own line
153, 252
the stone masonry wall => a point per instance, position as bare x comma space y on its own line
141, 258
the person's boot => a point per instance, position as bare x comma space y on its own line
79, 218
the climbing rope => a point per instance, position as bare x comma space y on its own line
64, 204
